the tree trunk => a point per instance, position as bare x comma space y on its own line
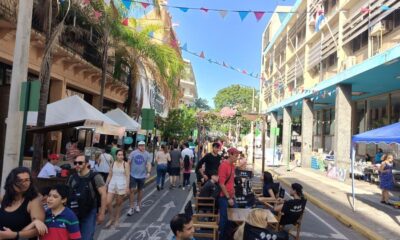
104, 69
44, 77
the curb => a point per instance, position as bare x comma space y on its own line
343, 218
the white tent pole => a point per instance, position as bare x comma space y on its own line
353, 156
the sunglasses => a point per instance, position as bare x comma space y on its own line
78, 163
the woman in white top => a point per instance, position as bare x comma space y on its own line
117, 184
162, 159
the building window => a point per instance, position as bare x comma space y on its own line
395, 108
378, 112
359, 42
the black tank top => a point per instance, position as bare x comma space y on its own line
17, 219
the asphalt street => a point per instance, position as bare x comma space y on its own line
152, 223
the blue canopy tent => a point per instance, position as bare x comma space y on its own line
387, 134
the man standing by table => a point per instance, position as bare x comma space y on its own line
226, 174
211, 160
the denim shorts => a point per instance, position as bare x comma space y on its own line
136, 183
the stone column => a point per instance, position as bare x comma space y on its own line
274, 124
286, 134
343, 116
307, 118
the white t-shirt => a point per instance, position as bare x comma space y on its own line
49, 170
187, 151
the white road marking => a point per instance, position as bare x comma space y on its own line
148, 211
166, 207
106, 233
338, 235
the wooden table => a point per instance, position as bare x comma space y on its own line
239, 215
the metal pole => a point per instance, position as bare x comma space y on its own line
23, 134
254, 144
263, 118
290, 142
19, 73
274, 147
353, 155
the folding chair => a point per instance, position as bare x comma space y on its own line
205, 224
289, 217
255, 233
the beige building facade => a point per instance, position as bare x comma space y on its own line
331, 70
188, 85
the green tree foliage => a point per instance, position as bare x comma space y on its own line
201, 104
235, 96
180, 123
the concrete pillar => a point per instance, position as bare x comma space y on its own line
286, 133
274, 124
343, 116
307, 118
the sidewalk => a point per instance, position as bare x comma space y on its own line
372, 219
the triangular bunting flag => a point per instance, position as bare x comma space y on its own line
127, 3
184, 47
204, 9
125, 22
224, 64
202, 54
145, 5
210, 60
259, 15
184, 9
385, 8
223, 13
244, 71
243, 14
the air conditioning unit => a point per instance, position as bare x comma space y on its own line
382, 27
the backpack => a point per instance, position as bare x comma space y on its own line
83, 194
186, 162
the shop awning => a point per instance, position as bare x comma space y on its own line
123, 119
74, 111
387, 134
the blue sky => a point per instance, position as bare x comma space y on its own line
231, 40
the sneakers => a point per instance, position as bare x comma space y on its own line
137, 209
183, 188
130, 212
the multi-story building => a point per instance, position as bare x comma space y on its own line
188, 85
332, 67
76, 65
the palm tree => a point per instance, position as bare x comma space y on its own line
52, 16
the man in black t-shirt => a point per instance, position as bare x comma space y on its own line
211, 161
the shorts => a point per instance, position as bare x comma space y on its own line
136, 183
175, 171
117, 188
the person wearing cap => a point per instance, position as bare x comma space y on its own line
140, 165
226, 174
50, 169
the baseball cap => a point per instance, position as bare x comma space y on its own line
233, 150
141, 143
54, 156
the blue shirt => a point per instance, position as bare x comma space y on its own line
378, 157
139, 161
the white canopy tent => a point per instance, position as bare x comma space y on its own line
76, 110
123, 119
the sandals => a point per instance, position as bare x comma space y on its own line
109, 223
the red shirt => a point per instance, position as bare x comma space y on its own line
225, 170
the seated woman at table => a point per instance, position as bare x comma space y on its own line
293, 205
268, 188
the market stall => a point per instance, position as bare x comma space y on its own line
76, 112
123, 119
388, 134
